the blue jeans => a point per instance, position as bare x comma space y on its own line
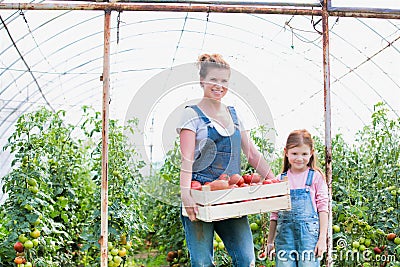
235, 233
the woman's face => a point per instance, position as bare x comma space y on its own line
215, 84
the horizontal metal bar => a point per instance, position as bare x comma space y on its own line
220, 8
364, 12
222, 2
159, 7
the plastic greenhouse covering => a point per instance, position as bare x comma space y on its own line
54, 58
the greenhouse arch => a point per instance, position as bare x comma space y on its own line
323, 10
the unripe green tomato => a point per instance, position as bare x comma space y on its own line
117, 259
35, 242
114, 251
215, 243
33, 189
218, 238
37, 222
28, 244
122, 252
32, 182
28, 207
22, 238
35, 233
336, 228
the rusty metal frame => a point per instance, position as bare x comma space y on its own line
323, 9
212, 6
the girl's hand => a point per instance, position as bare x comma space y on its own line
190, 206
270, 251
320, 248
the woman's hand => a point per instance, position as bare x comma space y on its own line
190, 205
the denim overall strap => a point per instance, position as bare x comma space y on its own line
202, 116
219, 154
234, 116
298, 229
283, 175
310, 176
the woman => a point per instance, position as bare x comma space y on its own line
211, 139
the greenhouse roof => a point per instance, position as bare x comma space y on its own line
54, 58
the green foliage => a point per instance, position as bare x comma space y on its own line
54, 186
47, 158
163, 205
259, 136
125, 219
366, 187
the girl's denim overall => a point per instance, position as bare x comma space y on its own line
297, 230
220, 154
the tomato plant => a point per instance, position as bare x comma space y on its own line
53, 190
51, 216
365, 174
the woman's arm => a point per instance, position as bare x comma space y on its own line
254, 157
187, 145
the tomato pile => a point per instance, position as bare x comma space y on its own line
234, 181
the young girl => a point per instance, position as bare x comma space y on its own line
299, 235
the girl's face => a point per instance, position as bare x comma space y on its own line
215, 84
299, 157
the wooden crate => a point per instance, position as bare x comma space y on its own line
236, 202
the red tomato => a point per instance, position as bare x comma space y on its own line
236, 179
195, 185
255, 177
247, 178
224, 176
19, 247
269, 181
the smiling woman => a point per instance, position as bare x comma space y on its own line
211, 140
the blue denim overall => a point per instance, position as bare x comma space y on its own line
220, 154
297, 230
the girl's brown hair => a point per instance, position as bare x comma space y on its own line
298, 138
207, 61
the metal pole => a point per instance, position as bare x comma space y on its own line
328, 138
104, 168
217, 8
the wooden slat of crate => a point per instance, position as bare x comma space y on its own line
223, 211
239, 194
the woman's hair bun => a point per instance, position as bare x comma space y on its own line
211, 60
